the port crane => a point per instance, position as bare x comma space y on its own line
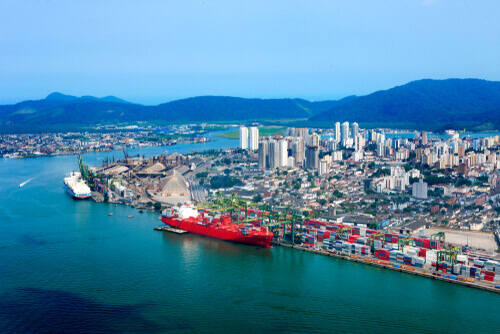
405, 241
437, 239
449, 254
277, 219
372, 237
85, 172
344, 230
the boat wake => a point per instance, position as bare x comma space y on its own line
25, 182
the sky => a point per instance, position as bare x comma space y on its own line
151, 52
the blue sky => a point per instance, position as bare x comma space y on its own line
156, 51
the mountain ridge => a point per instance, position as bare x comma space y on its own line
449, 103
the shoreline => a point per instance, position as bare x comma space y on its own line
478, 284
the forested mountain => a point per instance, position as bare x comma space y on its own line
425, 103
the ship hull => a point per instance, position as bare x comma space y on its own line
219, 233
75, 196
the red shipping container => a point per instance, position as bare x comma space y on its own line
488, 273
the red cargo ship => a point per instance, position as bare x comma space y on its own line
187, 218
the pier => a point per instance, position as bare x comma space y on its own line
475, 283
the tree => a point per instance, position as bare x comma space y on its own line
372, 165
338, 194
257, 198
157, 206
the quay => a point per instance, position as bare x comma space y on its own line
476, 283
170, 229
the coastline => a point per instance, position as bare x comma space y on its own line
478, 284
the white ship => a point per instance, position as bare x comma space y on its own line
76, 187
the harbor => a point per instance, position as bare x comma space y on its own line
73, 242
483, 285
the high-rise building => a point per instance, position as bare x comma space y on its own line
381, 138
380, 150
323, 167
244, 138
419, 189
274, 154
263, 154
303, 133
314, 140
424, 138
254, 138
331, 144
345, 131
337, 132
312, 157
298, 150
354, 129
283, 153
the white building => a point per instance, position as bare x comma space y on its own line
419, 189
254, 138
337, 132
274, 151
263, 154
354, 129
323, 167
345, 131
244, 138
283, 153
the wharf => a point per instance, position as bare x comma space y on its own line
170, 229
478, 284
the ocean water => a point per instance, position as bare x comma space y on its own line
66, 266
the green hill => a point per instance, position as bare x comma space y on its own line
424, 104
59, 109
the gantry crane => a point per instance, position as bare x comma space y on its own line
405, 241
449, 254
436, 238
372, 237
347, 230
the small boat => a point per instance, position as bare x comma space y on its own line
110, 214
141, 211
130, 216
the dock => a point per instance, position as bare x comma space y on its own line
170, 229
476, 283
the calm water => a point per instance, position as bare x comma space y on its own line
66, 266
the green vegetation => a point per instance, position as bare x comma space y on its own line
452, 103
267, 131
382, 171
257, 198
223, 181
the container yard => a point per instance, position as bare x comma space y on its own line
431, 257
428, 257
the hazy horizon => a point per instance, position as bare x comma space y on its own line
152, 52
